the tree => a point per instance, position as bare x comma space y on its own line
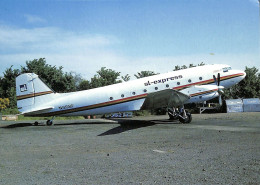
8, 85
51, 75
77, 78
201, 64
176, 68
126, 77
192, 65
105, 77
84, 85
143, 74
4, 103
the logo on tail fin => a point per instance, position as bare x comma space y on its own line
23, 88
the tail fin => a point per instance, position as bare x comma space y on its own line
31, 92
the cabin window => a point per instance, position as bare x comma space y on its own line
122, 95
133, 93
111, 98
189, 80
178, 83
156, 88
200, 97
145, 90
167, 85
200, 78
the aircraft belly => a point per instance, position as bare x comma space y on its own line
122, 107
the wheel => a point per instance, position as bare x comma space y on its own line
36, 123
49, 122
187, 119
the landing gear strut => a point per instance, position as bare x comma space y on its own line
173, 113
179, 113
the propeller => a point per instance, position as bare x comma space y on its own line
220, 88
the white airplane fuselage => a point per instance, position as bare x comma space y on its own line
198, 83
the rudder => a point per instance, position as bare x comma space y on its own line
31, 92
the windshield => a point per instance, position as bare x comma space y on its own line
225, 69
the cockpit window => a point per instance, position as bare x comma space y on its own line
225, 69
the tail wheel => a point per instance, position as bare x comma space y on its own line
187, 119
49, 122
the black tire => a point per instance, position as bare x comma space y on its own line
49, 122
187, 119
36, 123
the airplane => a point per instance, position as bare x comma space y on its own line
170, 90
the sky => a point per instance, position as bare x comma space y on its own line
129, 36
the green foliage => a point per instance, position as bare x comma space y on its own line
4, 103
7, 89
8, 111
249, 87
143, 74
126, 77
105, 77
84, 85
176, 68
201, 64
77, 78
51, 75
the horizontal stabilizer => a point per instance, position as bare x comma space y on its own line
37, 111
164, 98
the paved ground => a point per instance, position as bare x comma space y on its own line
213, 149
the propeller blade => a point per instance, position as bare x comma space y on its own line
220, 100
218, 79
215, 80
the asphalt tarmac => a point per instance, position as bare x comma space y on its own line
212, 149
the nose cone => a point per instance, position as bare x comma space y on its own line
242, 75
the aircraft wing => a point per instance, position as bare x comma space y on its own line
164, 98
37, 111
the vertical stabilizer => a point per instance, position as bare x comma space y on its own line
31, 92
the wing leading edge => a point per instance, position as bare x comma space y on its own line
164, 98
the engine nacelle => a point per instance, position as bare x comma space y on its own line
200, 93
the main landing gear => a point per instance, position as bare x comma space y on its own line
179, 113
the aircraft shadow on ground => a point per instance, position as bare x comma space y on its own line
18, 125
126, 125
